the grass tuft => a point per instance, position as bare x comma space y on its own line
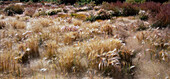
2, 24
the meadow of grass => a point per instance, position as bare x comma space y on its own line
112, 40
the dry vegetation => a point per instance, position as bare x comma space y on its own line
65, 42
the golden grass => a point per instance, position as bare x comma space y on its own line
30, 50
70, 37
18, 24
51, 47
107, 29
9, 65
2, 24
77, 23
44, 22
79, 16
32, 45
63, 15
36, 27
84, 54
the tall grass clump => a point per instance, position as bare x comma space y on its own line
8, 64
18, 24
2, 24
51, 49
84, 55
30, 50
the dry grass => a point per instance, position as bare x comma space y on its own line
153, 69
9, 65
2, 24
84, 55
64, 46
51, 47
30, 50
18, 24
36, 27
45, 22
77, 23
107, 29
70, 37
63, 15
79, 16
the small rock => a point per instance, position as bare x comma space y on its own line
43, 69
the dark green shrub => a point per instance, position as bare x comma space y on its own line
130, 9
83, 2
14, 9
67, 1
135, 1
144, 17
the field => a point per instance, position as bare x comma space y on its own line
105, 41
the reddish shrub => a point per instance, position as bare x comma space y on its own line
162, 19
152, 6
111, 6
120, 8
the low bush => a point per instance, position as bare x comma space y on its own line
116, 7
29, 12
67, 1
144, 17
163, 17
130, 9
103, 14
14, 9
151, 6
135, 1
119, 8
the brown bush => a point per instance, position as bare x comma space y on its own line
14, 9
